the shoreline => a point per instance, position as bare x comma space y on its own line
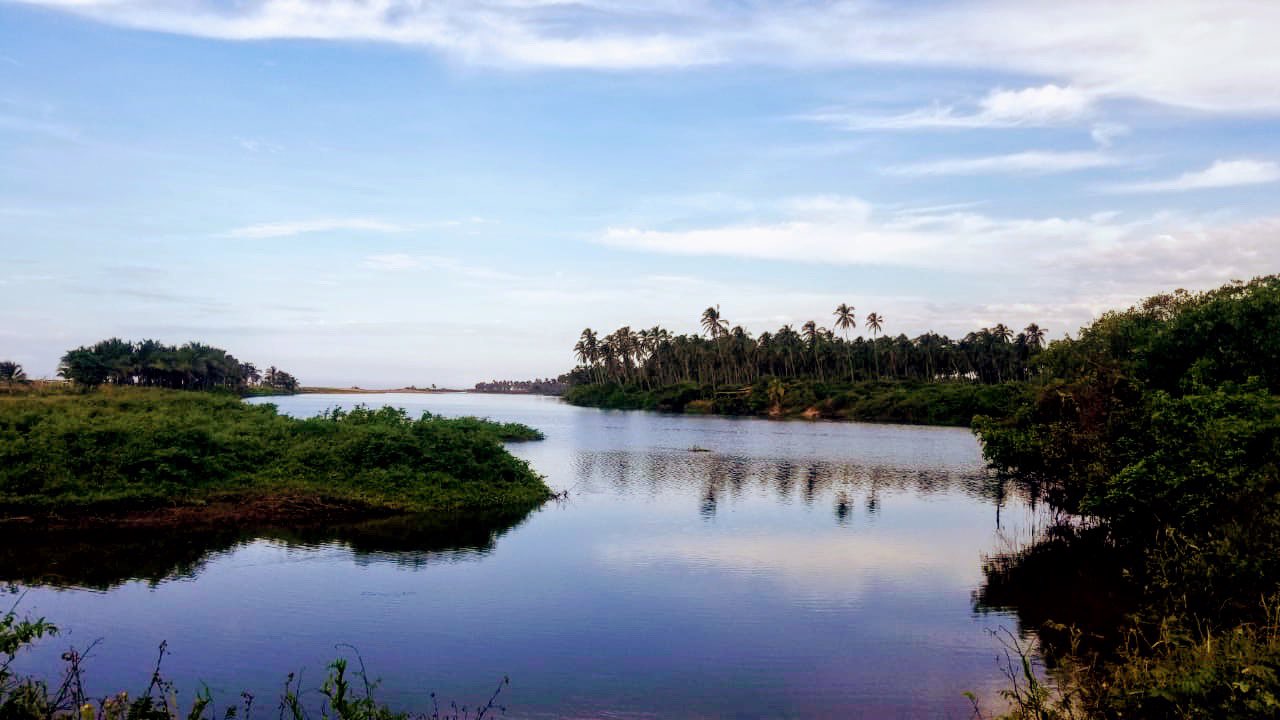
808, 415
400, 391
225, 512
365, 391
935, 404
135, 457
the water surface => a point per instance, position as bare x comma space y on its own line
796, 570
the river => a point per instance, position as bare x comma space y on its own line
792, 569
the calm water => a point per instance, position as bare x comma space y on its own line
796, 570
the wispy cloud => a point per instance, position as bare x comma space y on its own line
1104, 251
256, 145
851, 231
1032, 162
1106, 133
1222, 173
399, 262
1029, 107
302, 227
1157, 51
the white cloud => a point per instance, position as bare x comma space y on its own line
302, 227
850, 231
1032, 162
1100, 260
1218, 56
1042, 106
1045, 105
1222, 173
1063, 272
1105, 133
395, 262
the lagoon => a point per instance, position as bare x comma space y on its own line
795, 569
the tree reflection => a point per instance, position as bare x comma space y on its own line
103, 559
715, 477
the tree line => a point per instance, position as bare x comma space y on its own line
537, 386
725, 354
150, 363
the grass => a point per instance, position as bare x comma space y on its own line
907, 402
124, 450
347, 691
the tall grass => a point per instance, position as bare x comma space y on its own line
346, 693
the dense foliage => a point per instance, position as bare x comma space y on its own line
128, 449
149, 363
1159, 429
908, 401
815, 372
538, 386
657, 358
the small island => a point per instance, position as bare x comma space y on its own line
119, 446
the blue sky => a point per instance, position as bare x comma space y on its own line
389, 192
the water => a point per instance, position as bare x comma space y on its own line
796, 570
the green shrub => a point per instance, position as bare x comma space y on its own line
135, 448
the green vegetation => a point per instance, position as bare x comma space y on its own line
538, 386
193, 366
655, 358
907, 401
345, 693
1158, 432
930, 379
121, 450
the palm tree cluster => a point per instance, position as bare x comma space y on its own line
537, 386
149, 363
728, 354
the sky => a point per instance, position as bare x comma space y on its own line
393, 192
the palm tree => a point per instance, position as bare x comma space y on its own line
1002, 332
712, 323
1035, 335
250, 373
587, 350
810, 332
721, 354
11, 373
812, 336
845, 319
875, 323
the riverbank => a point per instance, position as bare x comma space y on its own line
138, 457
902, 402
1155, 435
364, 391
